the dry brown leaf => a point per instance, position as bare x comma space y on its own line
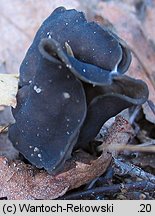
118, 135
8, 89
22, 181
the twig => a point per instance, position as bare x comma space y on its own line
151, 142
132, 148
122, 168
4, 128
143, 186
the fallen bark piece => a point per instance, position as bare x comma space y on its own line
23, 181
8, 89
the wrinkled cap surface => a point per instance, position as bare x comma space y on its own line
49, 115
105, 102
96, 48
71, 81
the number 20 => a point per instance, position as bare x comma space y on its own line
145, 208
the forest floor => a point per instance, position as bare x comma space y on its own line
130, 172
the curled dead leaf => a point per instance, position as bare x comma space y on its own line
38, 184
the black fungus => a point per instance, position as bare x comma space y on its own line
71, 82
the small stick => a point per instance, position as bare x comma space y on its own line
122, 168
132, 148
4, 128
151, 142
143, 186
